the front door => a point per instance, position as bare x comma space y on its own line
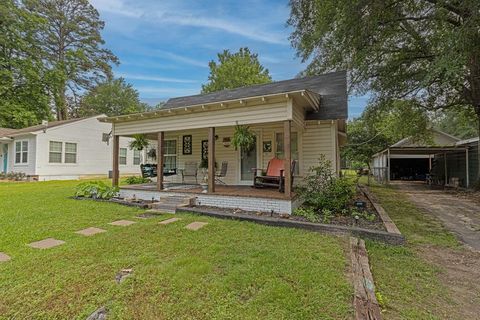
248, 160
5, 158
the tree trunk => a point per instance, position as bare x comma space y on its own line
61, 102
477, 109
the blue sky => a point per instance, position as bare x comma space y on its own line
164, 46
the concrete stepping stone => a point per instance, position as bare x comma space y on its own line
171, 220
99, 314
120, 276
90, 231
46, 243
122, 223
4, 257
196, 225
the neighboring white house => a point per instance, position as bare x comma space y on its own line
61, 150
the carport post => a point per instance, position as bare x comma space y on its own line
467, 178
445, 166
388, 165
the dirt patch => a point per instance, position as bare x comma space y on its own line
461, 275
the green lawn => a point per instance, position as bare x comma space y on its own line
410, 286
227, 270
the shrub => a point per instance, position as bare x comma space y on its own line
308, 213
323, 190
96, 190
137, 180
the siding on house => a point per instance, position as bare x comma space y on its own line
28, 168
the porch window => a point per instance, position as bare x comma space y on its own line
136, 157
122, 156
70, 152
170, 154
55, 152
280, 150
21, 152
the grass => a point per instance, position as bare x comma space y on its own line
228, 269
409, 285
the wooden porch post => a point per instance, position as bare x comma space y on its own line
116, 154
211, 159
160, 159
287, 132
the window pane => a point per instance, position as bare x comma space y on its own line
17, 157
170, 162
70, 158
18, 146
24, 145
55, 157
70, 147
170, 147
136, 157
123, 156
55, 146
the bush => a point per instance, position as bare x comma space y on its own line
137, 180
95, 190
323, 190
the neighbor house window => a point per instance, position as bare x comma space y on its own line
280, 149
136, 157
55, 154
21, 151
170, 154
70, 152
123, 156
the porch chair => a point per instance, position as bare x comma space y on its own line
222, 173
274, 176
190, 170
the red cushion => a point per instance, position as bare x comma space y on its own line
274, 167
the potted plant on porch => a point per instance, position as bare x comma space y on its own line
204, 181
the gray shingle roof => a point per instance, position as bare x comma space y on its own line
38, 127
332, 88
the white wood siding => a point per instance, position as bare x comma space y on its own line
28, 168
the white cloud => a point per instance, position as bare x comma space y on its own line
154, 78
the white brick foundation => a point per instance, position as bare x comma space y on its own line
221, 201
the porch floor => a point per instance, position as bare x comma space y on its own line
224, 190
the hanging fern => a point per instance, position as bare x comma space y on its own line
243, 138
139, 142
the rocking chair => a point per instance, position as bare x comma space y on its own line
274, 176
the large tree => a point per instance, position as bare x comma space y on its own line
24, 98
73, 48
427, 50
235, 70
460, 122
113, 98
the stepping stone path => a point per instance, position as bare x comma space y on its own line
119, 277
46, 243
90, 231
99, 314
171, 220
196, 225
4, 257
122, 223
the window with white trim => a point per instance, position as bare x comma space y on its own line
55, 152
279, 147
136, 157
70, 152
21, 152
170, 154
123, 156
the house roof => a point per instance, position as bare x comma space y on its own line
5, 132
467, 141
327, 94
407, 142
332, 88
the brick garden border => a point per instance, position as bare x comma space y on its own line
387, 237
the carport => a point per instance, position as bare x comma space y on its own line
419, 163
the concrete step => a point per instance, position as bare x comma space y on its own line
169, 204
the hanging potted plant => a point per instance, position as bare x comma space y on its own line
243, 138
139, 142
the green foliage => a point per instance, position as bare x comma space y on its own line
113, 98
243, 138
235, 70
24, 98
322, 190
459, 122
139, 142
308, 213
137, 180
96, 190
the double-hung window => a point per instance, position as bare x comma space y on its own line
280, 150
70, 152
55, 152
136, 157
21, 152
123, 156
170, 154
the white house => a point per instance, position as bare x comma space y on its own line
61, 150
